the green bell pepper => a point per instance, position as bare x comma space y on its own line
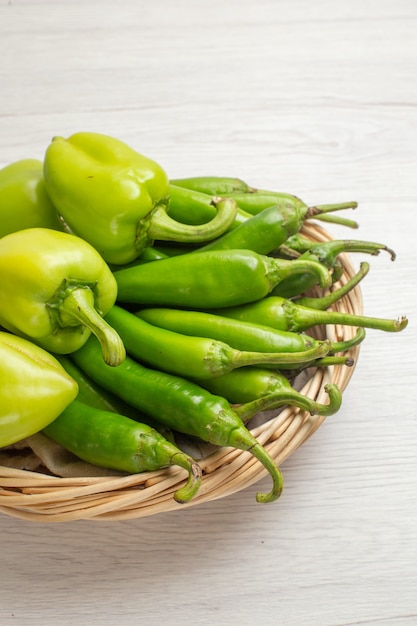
55, 289
35, 388
116, 199
24, 202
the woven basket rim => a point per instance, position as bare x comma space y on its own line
44, 498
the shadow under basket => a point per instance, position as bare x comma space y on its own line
42, 497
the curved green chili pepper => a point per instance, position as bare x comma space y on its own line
24, 202
54, 290
115, 198
284, 314
209, 279
179, 404
194, 356
35, 388
114, 441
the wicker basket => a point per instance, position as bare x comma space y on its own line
40, 497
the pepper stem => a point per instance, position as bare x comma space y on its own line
283, 359
303, 317
324, 302
186, 493
319, 209
344, 346
78, 304
242, 439
280, 269
165, 228
292, 398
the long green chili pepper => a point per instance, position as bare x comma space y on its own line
236, 333
89, 392
326, 253
287, 315
262, 233
194, 356
179, 404
213, 185
259, 200
253, 383
209, 279
198, 209
252, 200
114, 441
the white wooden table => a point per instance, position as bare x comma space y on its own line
317, 98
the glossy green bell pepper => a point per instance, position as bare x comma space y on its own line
55, 289
116, 198
24, 202
35, 388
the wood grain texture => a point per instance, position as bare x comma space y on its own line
315, 98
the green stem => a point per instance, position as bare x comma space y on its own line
188, 491
336, 219
319, 209
78, 304
324, 302
292, 398
344, 346
280, 269
242, 439
302, 318
282, 359
328, 361
165, 228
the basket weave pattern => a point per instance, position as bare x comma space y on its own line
45, 498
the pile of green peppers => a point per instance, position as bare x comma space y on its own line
136, 309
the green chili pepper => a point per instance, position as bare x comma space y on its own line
114, 441
248, 336
326, 253
179, 404
213, 185
196, 207
240, 335
252, 201
24, 202
54, 290
194, 356
209, 279
252, 383
95, 396
261, 233
287, 315
35, 388
115, 198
